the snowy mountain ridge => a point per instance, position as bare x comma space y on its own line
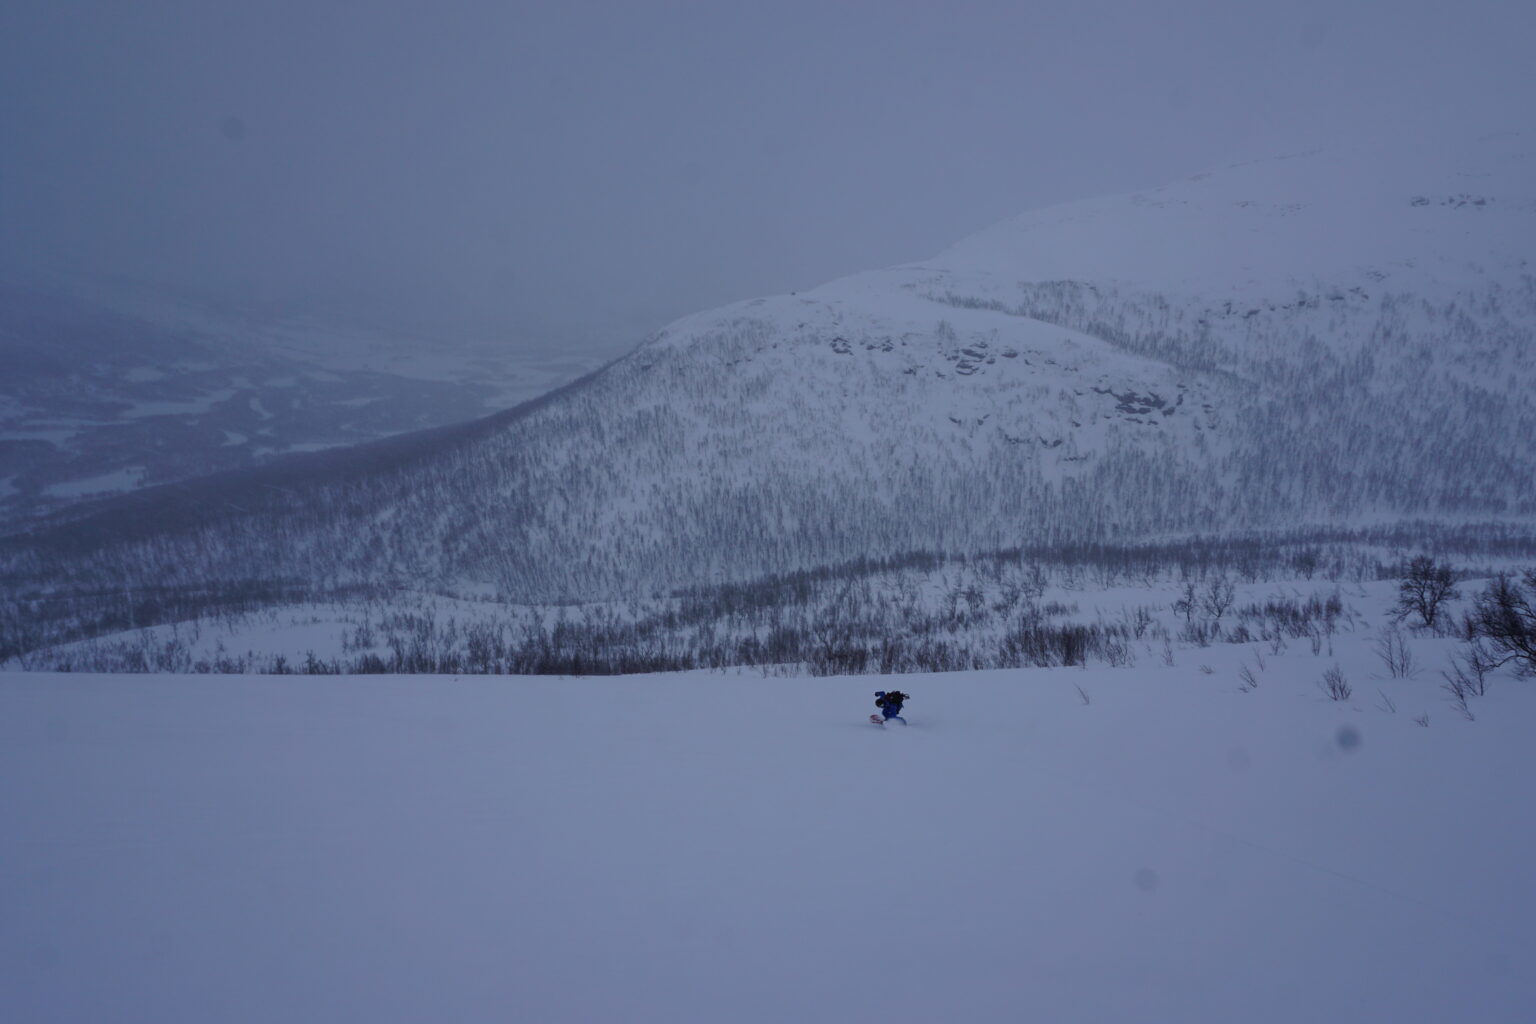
1330, 339
1420, 214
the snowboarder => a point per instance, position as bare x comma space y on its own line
890, 704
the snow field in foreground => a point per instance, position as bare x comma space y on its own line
732, 848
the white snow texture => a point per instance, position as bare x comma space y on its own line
733, 848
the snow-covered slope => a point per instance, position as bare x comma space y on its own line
730, 848
1332, 338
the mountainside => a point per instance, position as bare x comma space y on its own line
1328, 339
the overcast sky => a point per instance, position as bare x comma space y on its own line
581, 173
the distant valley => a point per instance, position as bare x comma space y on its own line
107, 394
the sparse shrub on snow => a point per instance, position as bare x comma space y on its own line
1392, 648
1334, 685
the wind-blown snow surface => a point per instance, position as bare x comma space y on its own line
702, 848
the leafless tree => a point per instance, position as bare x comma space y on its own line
1425, 586
1504, 615
1219, 594
1188, 601
1468, 674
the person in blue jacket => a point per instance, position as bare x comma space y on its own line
890, 702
